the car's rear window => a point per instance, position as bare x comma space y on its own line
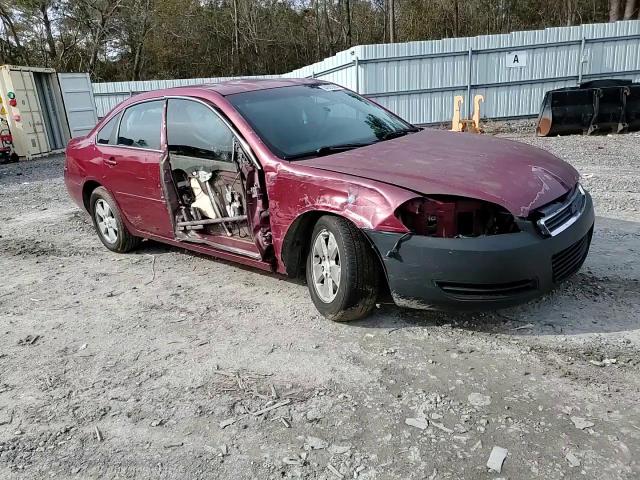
299, 120
106, 134
141, 124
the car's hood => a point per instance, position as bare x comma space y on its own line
514, 175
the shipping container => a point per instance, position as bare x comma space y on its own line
43, 109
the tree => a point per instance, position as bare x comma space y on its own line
630, 9
141, 39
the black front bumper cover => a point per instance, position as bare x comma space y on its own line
483, 272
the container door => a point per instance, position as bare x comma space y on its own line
79, 105
53, 115
31, 120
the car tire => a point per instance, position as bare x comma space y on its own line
354, 294
107, 221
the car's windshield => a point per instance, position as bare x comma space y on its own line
306, 120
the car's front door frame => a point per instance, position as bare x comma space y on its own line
260, 243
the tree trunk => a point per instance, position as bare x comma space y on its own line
614, 10
318, 29
236, 30
47, 29
392, 21
571, 8
629, 9
328, 28
95, 47
347, 5
456, 19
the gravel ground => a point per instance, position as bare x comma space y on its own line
165, 364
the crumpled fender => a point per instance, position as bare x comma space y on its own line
295, 191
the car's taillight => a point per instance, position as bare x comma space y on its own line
450, 217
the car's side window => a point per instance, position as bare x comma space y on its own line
141, 125
194, 130
106, 135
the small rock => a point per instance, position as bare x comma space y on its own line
6, 417
313, 415
581, 423
496, 458
440, 426
605, 362
316, 443
479, 400
572, 459
227, 422
420, 423
339, 449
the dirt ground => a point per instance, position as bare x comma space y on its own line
165, 364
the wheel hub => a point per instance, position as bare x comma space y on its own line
106, 221
326, 266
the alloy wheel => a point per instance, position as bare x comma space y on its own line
326, 266
106, 221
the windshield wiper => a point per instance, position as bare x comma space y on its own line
398, 133
327, 150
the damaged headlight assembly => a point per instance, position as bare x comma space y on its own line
452, 217
455, 217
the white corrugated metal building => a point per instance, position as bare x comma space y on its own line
108, 95
418, 80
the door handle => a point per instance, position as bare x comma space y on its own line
110, 161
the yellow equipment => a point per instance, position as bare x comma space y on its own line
459, 124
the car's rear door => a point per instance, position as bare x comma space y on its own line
132, 168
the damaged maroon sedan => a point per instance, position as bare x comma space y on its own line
305, 177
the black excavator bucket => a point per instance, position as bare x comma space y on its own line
600, 106
632, 113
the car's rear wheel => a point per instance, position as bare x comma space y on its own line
341, 270
108, 223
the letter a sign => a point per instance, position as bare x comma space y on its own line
516, 59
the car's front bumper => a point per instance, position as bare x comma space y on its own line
482, 272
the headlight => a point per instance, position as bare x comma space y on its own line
450, 217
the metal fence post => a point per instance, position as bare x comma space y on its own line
469, 72
356, 64
580, 60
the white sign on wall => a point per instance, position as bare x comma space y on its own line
516, 59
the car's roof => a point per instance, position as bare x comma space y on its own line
231, 87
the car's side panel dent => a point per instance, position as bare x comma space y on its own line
296, 191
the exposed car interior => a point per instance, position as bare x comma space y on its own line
207, 170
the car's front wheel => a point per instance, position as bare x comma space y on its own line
341, 270
108, 223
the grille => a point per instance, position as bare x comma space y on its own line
568, 261
487, 290
559, 216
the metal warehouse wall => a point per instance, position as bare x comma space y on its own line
418, 80
108, 95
